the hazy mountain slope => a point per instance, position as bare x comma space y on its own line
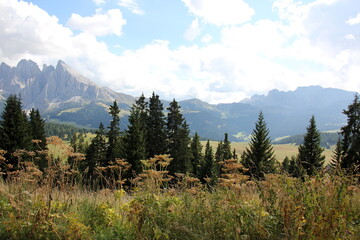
62, 94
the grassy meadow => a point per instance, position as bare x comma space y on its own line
55, 204
281, 150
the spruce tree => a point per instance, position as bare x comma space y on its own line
226, 148
259, 156
197, 158
208, 169
219, 154
310, 152
134, 140
114, 149
178, 140
14, 128
37, 129
95, 155
155, 134
351, 138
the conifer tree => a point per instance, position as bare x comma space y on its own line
259, 156
234, 154
208, 169
95, 154
351, 138
197, 157
219, 154
134, 140
114, 149
310, 152
37, 129
178, 140
285, 165
226, 148
14, 128
155, 134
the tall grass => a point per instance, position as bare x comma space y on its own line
55, 205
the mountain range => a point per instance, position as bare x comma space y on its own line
63, 95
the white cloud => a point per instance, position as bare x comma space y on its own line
207, 38
99, 2
247, 59
193, 31
110, 22
220, 13
350, 37
132, 5
354, 20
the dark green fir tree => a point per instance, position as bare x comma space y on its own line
14, 129
95, 155
115, 148
310, 152
156, 128
134, 140
197, 157
178, 140
259, 156
351, 138
208, 169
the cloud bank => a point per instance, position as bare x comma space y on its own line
309, 44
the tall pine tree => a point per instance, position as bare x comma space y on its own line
259, 156
351, 138
208, 169
226, 148
95, 155
37, 129
310, 152
14, 128
115, 147
134, 140
155, 134
197, 158
178, 140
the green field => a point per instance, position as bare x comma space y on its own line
281, 150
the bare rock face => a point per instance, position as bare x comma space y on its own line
52, 87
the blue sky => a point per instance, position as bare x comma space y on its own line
214, 50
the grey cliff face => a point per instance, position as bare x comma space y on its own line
52, 86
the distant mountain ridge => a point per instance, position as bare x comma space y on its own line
64, 95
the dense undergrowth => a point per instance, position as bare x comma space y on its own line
56, 204
326, 207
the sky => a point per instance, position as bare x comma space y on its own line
219, 51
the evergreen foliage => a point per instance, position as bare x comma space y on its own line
14, 128
155, 135
197, 158
226, 148
178, 140
64, 131
208, 169
309, 156
351, 138
37, 129
95, 154
259, 156
114, 149
134, 139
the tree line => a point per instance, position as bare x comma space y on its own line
151, 132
